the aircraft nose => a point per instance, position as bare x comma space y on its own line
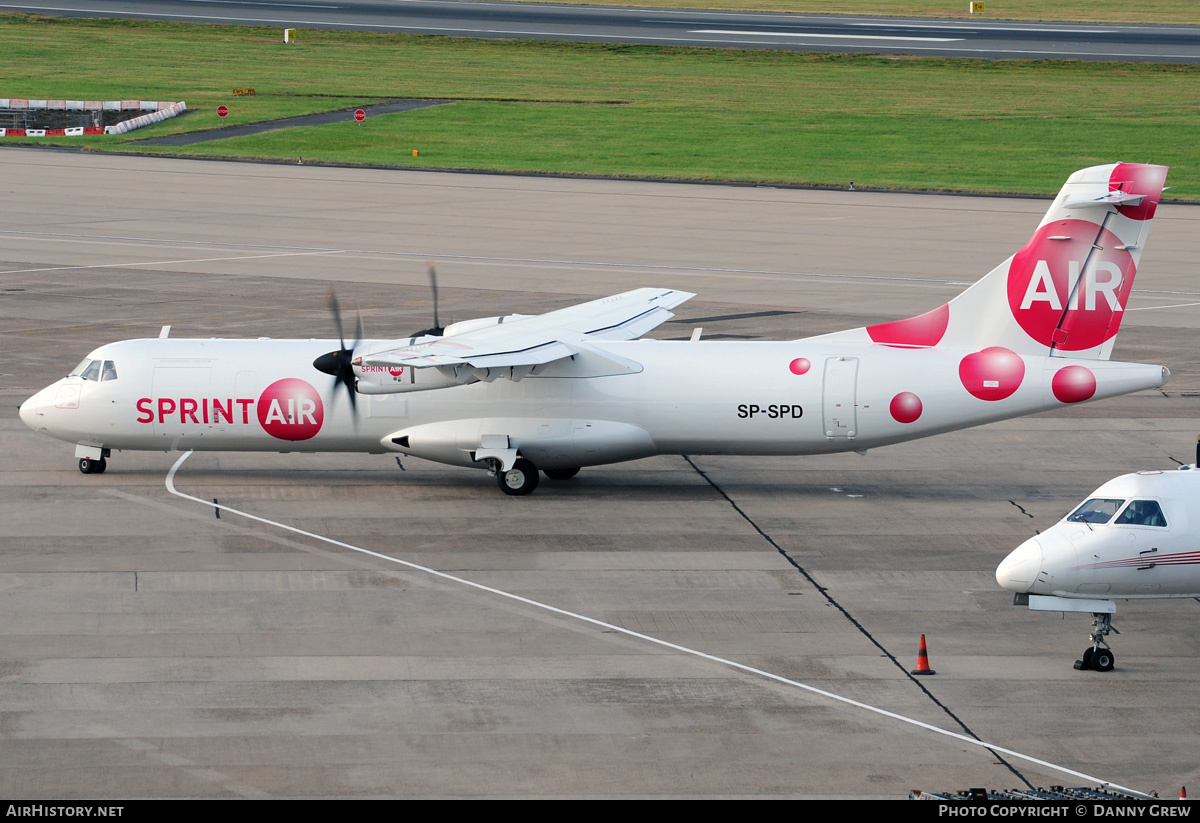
28, 411
35, 412
1020, 569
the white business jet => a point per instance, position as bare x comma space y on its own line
577, 387
1135, 537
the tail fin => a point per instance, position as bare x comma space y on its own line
1066, 291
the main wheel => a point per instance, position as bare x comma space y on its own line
1103, 660
1086, 662
560, 474
101, 465
89, 466
522, 478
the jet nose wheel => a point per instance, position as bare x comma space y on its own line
89, 466
522, 478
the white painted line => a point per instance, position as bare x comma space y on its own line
975, 28
807, 34
1151, 308
962, 738
169, 262
249, 3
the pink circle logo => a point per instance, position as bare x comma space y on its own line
992, 374
291, 409
800, 365
1047, 284
906, 407
1073, 384
1139, 178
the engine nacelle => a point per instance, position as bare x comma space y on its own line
397, 379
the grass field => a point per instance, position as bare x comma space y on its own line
760, 117
1090, 11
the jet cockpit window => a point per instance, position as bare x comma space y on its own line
109, 371
1096, 510
1142, 513
92, 372
78, 370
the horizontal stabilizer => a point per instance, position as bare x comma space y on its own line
1108, 198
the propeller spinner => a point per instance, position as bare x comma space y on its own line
340, 363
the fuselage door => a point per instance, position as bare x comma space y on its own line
840, 402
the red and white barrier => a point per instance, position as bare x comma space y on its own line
154, 113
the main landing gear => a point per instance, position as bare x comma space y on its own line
1098, 657
522, 478
89, 465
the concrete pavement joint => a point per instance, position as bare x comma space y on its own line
853, 621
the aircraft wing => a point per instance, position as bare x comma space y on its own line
538, 339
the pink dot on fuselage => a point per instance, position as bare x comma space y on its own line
1073, 384
906, 407
800, 365
992, 374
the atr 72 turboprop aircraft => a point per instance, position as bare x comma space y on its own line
1135, 537
576, 387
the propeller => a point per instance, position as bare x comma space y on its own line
339, 363
437, 330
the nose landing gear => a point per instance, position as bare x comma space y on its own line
1099, 657
89, 465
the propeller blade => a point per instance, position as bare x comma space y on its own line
433, 288
437, 330
339, 364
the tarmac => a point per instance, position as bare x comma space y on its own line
671, 627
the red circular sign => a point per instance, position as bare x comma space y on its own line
222, 111
360, 115
291, 409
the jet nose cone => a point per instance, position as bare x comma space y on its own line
29, 411
1020, 569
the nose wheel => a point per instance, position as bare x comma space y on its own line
1098, 656
89, 465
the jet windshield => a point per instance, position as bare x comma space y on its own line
1142, 513
99, 370
1096, 510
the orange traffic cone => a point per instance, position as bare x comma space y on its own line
923, 660
1183, 792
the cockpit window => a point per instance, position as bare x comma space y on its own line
1096, 510
1142, 513
92, 372
109, 372
78, 370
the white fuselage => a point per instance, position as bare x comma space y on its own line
785, 398
1137, 536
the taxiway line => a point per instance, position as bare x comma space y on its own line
962, 738
169, 262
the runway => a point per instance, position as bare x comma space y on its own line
149, 648
980, 37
